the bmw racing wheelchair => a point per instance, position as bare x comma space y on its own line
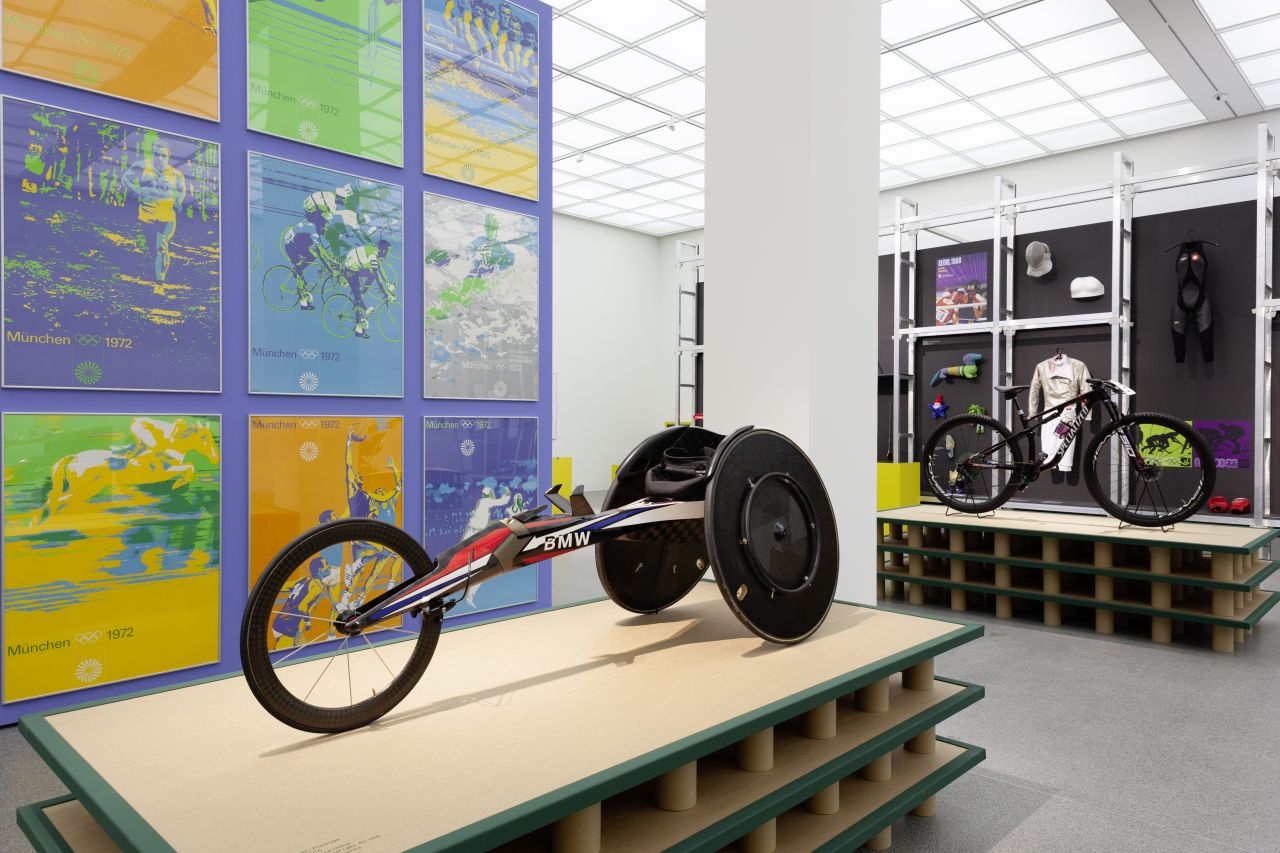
750, 506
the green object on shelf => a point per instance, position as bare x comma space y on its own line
978, 409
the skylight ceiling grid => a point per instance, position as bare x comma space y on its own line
1250, 31
629, 104
970, 84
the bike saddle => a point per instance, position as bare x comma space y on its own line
1011, 391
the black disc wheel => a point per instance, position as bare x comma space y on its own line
300, 660
1150, 470
772, 536
967, 463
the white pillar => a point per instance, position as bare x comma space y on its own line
792, 211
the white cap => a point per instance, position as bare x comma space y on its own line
1039, 261
1086, 287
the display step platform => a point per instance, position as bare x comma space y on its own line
582, 728
1207, 574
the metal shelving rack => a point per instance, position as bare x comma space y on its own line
689, 346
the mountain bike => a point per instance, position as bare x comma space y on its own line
1146, 469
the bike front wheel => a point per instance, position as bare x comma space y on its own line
304, 671
965, 461
339, 315
281, 289
1150, 470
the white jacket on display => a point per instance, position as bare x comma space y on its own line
1056, 381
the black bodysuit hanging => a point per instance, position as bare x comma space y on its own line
1192, 268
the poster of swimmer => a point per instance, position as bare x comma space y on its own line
480, 94
112, 548
328, 74
163, 54
480, 470
326, 272
960, 287
480, 294
311, 469
112, 244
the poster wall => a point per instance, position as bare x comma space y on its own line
480, 288
308, 470
111, 254
480, 470
961, 290
480, 94
326, 262
111, 548
328, 74
160, 53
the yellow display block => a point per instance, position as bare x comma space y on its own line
897, 484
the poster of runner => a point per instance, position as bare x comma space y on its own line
480, 287
328, 74
160, 53
326, 263
961, 287
480, 94
112, 548
307, 470
112, 236
480, 470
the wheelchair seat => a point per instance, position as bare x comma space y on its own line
1011, 391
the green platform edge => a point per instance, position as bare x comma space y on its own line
1253, 582
40, 831
947, 521
129, 830
1079, 601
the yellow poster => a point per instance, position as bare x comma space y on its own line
158, 52
308, 470
111, 548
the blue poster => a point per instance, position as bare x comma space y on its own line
479, 470
326, 257
112, 242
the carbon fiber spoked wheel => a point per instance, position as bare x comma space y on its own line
656, 566
299, 665
772, 536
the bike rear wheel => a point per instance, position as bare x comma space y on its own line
957, 458
390, 322
303, 670
1169, 480
339, 315
280, 288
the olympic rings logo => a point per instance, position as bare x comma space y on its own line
88, 340
309, 354
309, 103
468, 424
88, 637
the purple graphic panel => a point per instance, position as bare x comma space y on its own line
1231, 441
960, 287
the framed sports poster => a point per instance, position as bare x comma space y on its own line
328, 74
326, 266
112, 548
961, 290
480, 470
480, 289
1231, 442
307, 470
164, 54
480, 94
112, 243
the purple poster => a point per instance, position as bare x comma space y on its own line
1231, 441
960, 287
111, 254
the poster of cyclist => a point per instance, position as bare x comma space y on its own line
480, 287
1165, 448
160, 53
308, 470
480, 94
480, 470
112, 548
1231, 441
326, 262
961, 287
328, 74
111, 254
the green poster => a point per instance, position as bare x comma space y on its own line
1164, 447
328, 74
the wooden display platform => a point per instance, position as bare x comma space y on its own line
558, 731
1194, 573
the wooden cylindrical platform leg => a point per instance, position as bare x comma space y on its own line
1104, 621
927, 808
677, 790
957, 569
880, 769
882, 840
820, 723
1050, 552
755, 753
762, 839
826, 801
1161, 595
919, 677
925, 743
895, 533
915, 563
1004, 577
874, 698
578, 832
1221, 567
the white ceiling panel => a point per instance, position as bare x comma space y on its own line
682, 97
664, 210
1078, 137
895, 177
1021, 99
668, 190
1228, 13
697, 152
628, 152
1253, 39
1052, 18
910, 152
661, 228
1158, 119
976, 137
1143, 97
686, 45
894, 70
588, 190
627, 116
680, 135
626, 218
1114, 75
1086, 48
958, 47
578, 134
901, 20
891, 133
630, 20
574, 44
627, 178
1269, 94
913, 97
673, 166
571, 95
629, 71
590, 210
994, 74
1263, 69
1015, 149
627, 201
939, 166
1063, 115
950, 117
